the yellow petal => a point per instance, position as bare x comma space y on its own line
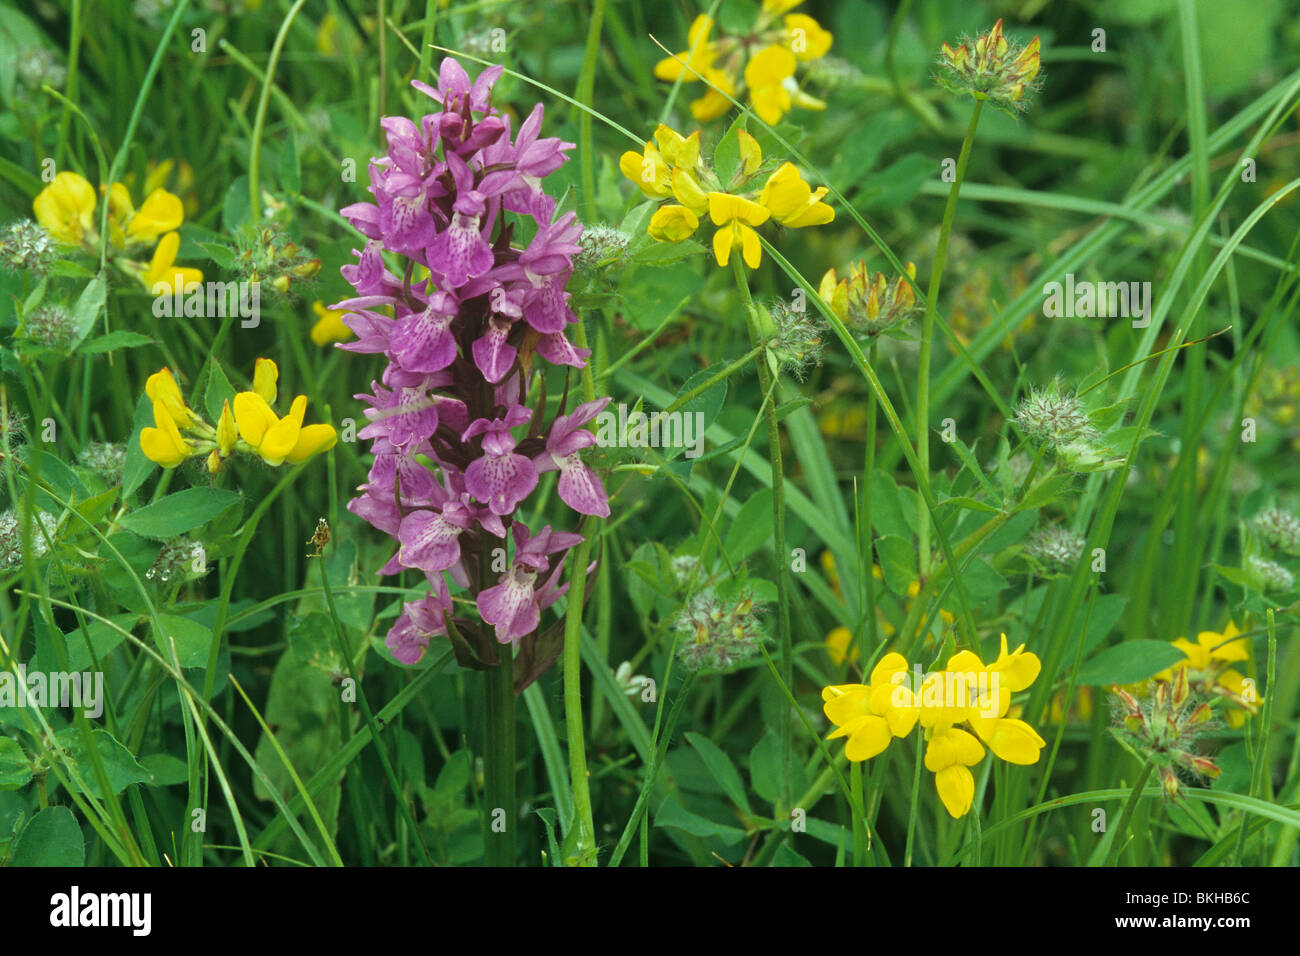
254, 417
163, 444
282, 437
312, 440
956, 786
329, 326
751, 154
161, 212
265, 375
770, 66
869, 739
1016, 670
163, 391
1014, 741
952, 746
724, 208
687, 191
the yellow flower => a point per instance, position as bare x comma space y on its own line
676, 149
808, 40
839, 642
870, 715
274, 439
869, 304
717, 99
161, 212
1205, 663
163, 391
793, 202
163, 276
697, 58
329, 325
65, 208
227, 436
765, 75
648, 170
163, 444
673, 223
736, 216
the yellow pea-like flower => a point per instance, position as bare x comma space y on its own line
329, 325
809, 40
161, 213
697, 58
765, 75
737, 216
648, 171
163, 276
162, 390
717, 99
163, 443
793, 202
65, 208
673, 223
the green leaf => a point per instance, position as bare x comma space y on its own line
673, 814
751, 527
290, 170
1128, 663
88, 308
898, 561
193, 640
218, 253
51, 838
970, 504
722, 769
120, 339
137, 467
165, 770
235, 210
15, 766
218, 391
726, 155
122, 768
178, 513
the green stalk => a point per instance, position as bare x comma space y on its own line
255, 147
584, 853
499, 689
583, 94
927, 338
765, 380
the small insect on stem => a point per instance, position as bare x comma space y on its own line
319, 538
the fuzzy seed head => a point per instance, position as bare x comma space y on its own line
1051, 417
1278, 529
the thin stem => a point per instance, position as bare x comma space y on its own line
255, 147
927, 338
765, 380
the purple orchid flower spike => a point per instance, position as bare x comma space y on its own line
450, 194
580, 488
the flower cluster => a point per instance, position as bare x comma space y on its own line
866, 304
1056, 548
719, 632
670, 166
1163, 726
456, 449
961, 710
251, 427
994, 70
1278, 529
1206, 668
66, 210
761, 63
